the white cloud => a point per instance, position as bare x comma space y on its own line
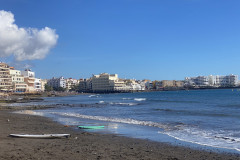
24, 43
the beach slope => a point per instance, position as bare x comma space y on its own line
83, 145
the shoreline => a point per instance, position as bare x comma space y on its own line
84, 145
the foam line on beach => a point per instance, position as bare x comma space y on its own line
204, 137
118, 120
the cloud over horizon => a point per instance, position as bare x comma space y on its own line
24, 43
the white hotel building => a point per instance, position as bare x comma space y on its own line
212, 80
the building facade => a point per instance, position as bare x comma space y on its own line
29, 79
5, 78
85, 85
38, 84
70, 83
104, 82
18, 81
57, 82
213, 81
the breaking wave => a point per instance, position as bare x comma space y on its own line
117, 120
125, 104
205, 137
140, 99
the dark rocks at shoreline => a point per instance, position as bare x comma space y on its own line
40, 107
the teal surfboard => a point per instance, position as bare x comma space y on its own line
91, 127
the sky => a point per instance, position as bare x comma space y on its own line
140, 39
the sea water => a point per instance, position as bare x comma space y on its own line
203, 117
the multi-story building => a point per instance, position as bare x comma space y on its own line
120, 86
214, 81
149, 85
5, 78
29, 79
134, 85
70, 83
104, 82
197, 81
28, 73
169, 84
111, 83
43, 83
57, 82
38, 84
18, 80
85, 85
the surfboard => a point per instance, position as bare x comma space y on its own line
91, 127
40, 135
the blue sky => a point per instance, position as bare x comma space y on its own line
141, 39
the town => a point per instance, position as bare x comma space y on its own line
16, 81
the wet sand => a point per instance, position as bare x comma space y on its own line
83, 145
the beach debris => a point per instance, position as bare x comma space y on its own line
91, 127
8, 120
40, 135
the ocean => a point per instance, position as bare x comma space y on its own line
207, 118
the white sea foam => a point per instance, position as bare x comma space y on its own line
101, 101
205, 137
126, 98
125, 104
140, 99
111, 119
30, 112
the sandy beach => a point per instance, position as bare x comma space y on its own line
84, 145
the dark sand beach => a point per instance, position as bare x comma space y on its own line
84, 145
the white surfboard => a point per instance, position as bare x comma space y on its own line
40, 135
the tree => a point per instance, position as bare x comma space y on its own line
75, 88
60, 89
48, 88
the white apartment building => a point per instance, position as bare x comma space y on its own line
70, 82
134, 85
18, 80
215, 81
57, 82
38, 84
28, 73
29, 79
